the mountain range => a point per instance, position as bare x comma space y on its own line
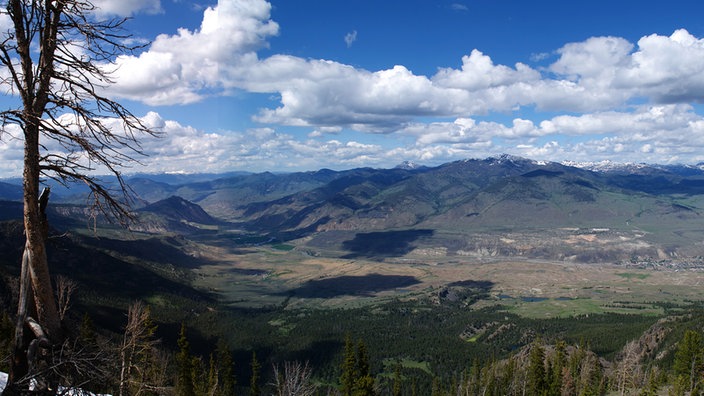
474, 206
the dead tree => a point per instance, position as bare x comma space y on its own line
294, 380
57, 56
136, 351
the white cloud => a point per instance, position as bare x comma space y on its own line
184, 67
596, 81
350, 38
479, 72
326, 93
126, 8
656, 133
667, 69
588, 76
595, 59
220, 57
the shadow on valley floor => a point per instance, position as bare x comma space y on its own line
365, 285
383, 243
162, 250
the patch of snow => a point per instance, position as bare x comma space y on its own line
72, 392
607, 166
408, 165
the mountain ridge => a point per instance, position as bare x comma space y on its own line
655, 211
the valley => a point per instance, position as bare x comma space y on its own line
434, 268
297, 277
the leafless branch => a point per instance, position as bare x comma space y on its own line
65, 288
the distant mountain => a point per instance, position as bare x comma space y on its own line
387, 198
173, 214
10, 192
409, 165
611, 167
466, 203
501, 205
176, 179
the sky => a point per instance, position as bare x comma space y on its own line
282, 85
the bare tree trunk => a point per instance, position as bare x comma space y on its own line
36, 229
32, 272
52, 79
19, 368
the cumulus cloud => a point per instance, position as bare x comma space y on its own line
186, 66
327, 93
220, 57
597, 74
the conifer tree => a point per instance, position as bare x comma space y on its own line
86, 333
363, 368
556, 367
688, 359
213, 376
396, 391
508, 378
364, 383
349, 374
436, 389
184, 379
475, 377
254, 379
652, 384
226, 370
536, 370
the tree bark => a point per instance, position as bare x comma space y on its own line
36, 228
19, 367
34, 283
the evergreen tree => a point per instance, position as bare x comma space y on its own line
226, 370
349, 374
475, 374
362, 362
396, 391
254, 380
184, 361
536, 370
652, 385
200, 376
591, 381
688, 359
436, 389
509, 374
555, 373
364, 383
86, 333
213, 377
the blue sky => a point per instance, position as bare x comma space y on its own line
286, 85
